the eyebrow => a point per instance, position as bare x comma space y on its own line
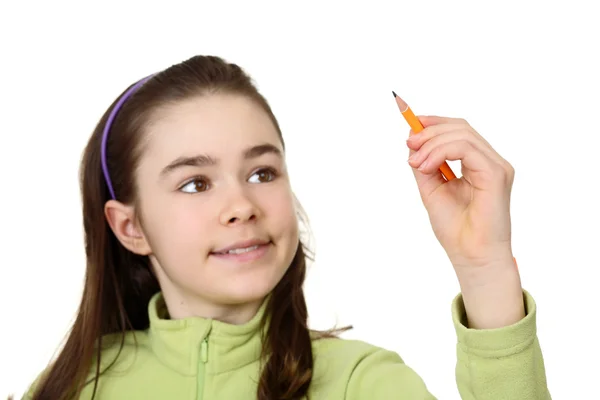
203, 160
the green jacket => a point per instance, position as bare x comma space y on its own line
197, 358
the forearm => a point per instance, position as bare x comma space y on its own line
493, 296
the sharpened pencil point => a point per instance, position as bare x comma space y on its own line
401, 103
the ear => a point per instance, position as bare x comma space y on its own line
126, 227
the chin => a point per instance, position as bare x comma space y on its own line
252, 280
249, 290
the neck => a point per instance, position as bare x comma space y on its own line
182, 306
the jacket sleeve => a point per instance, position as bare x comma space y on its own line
492, 364
502, 363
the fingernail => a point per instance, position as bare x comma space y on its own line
422, 167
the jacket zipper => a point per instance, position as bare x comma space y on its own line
202, 367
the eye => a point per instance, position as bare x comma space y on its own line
195, 185
263, 175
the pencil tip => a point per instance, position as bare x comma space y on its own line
401, 103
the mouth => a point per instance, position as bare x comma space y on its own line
244, 251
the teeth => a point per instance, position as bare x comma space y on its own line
240, 251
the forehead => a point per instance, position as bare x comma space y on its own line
220, 125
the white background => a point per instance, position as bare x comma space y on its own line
524, 74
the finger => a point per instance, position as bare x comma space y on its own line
430, 120
482, 172
428, 182
438, 125
438, 129
440, 134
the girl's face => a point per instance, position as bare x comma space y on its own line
213, 177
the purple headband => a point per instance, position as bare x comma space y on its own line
111, 118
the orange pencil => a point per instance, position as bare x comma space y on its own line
417, 127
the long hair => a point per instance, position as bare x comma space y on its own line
119, 283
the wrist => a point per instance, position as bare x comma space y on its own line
484, 269
492, 296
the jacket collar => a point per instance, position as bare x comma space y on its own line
179, 343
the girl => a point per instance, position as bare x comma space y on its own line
195, 262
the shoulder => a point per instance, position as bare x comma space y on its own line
119, 352
123, 358
363, 370
350, 350
124, 343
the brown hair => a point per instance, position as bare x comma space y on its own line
119, 283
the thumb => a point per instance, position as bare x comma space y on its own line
426, 183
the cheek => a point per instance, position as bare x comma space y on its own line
280, 210
190, 224
178, 227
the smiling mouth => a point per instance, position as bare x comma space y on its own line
240, 250
245, 254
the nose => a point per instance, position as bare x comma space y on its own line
239, 208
